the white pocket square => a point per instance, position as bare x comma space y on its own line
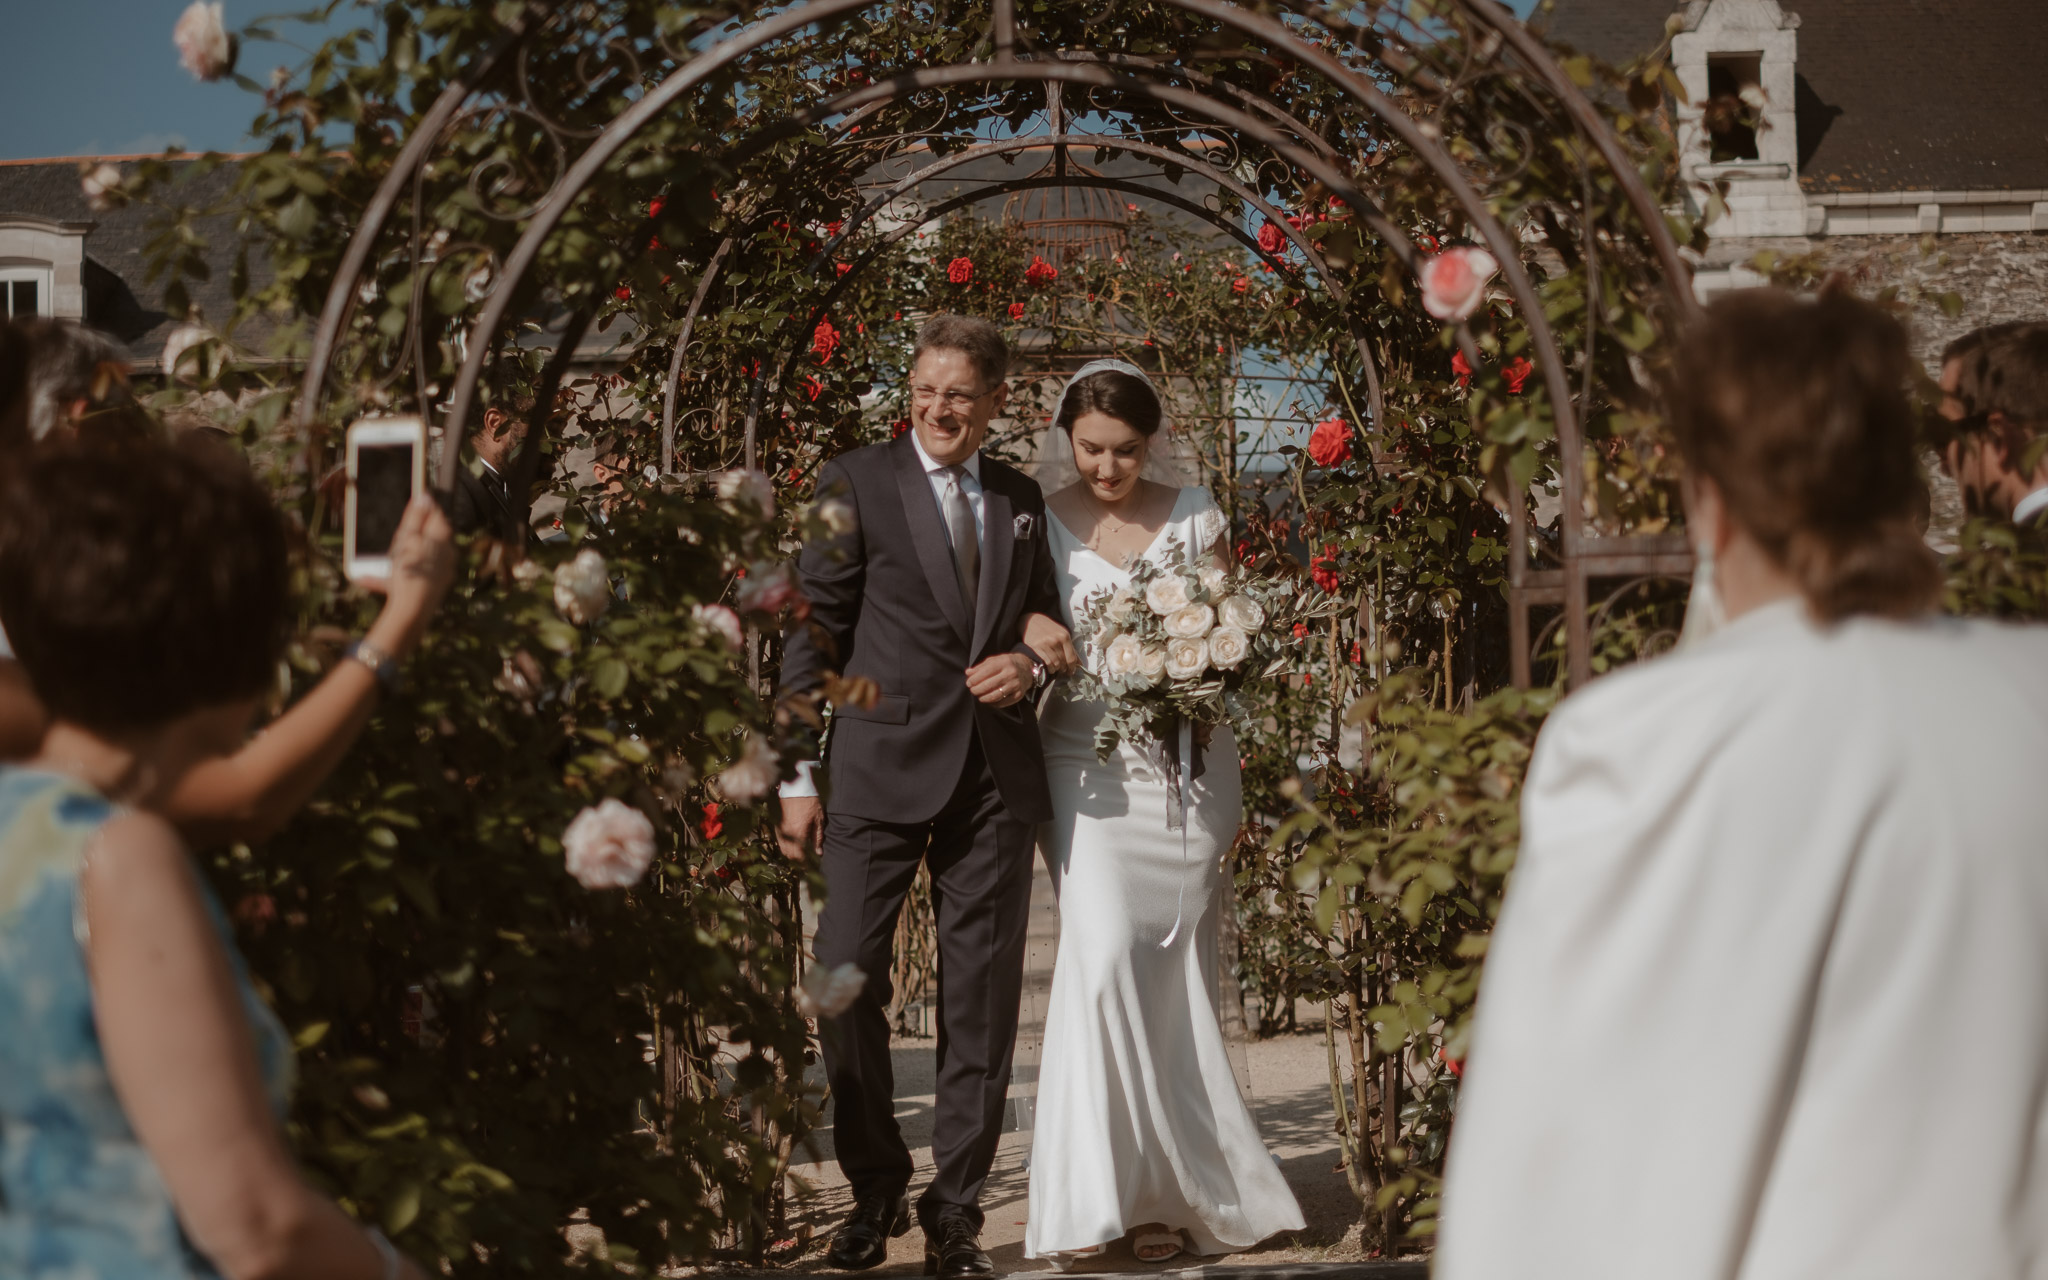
1023, 525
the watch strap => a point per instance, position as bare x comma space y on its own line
381, 664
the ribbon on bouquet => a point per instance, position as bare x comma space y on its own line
1180, 764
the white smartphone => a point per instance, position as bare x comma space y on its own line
387, 465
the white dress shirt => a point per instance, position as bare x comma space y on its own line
2030, 506
1768, 999
805, 784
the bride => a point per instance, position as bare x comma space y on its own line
1140, 1128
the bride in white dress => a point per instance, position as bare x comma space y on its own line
1140, 1128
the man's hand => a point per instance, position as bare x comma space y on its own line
1053, 644
802, 827
1001, 681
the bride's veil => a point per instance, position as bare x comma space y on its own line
1170, 460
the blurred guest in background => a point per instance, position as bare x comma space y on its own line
1997, 412
252, 791
1769, 993
483, 500
141, 1079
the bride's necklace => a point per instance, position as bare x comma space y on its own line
1103, 518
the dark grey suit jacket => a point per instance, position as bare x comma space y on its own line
886, 604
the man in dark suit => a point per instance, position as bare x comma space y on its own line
1995, 382
929, 595
482, 499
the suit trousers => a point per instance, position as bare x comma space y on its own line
980, 861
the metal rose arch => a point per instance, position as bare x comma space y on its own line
1440, 105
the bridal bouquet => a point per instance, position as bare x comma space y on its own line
1180, 641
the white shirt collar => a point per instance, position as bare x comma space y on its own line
2030, 506
972, 466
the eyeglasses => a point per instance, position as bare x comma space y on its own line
958, 401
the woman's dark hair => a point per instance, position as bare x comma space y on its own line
1796, 408
140, 582
1128, 399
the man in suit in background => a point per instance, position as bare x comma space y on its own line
929, 594
1996, 385
482, 499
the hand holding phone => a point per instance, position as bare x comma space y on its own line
387, 467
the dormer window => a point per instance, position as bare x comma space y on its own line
25, 289
1734, 107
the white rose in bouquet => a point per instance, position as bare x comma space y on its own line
1186, 656
1152, 663
1121, 606
583, 587
1241, 612
1228, 647
609, 846
1167, 594
1123, 657
1213, 580
1190, 623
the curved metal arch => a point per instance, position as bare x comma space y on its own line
1107, 142
787, 332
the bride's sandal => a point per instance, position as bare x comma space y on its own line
1156, 1247
1067, 1259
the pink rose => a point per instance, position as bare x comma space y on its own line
101, 184
1454, 281
767, 589
721, 622
609, 846
751, 776
204, 46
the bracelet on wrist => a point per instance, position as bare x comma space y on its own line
381, 664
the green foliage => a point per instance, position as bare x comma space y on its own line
1997, 571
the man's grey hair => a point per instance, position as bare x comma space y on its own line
981, 342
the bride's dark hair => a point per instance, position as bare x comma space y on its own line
1127, 399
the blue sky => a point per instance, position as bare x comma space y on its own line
99, 77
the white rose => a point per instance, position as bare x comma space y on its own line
721, 622
751, 776
1166, 594
837, 515
827, 993
1213, 580
1123, 657
609, 846
1121, 606
1186, 656
742, 488
1191, 622
1228, 647
101, 184
1151, 663
1241, 612
583, 587
204, 46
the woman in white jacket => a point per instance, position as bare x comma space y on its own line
1769, 994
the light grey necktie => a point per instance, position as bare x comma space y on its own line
966, 543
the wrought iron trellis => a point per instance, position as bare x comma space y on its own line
1305, 36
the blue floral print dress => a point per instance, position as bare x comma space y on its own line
79, 1196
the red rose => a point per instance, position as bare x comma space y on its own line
1040, 272
842, 267
1323, 569
832, 228
1270, 239
623, 292
1239, 285
712, 826
1457, 1066
960, 270
1301, 631
813, 388
1016, 311
1461, 368
655, 206
1330, 443
1357, 654
824, 341
1517, 372
902, 425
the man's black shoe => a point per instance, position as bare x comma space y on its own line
952, 1250
864, 1241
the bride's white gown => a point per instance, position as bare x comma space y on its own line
1138, 1117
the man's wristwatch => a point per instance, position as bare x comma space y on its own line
1037, 674
381, 664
